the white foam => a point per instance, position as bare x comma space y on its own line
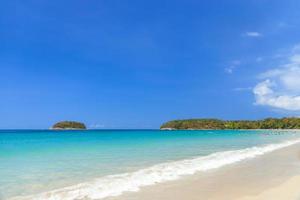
115, 185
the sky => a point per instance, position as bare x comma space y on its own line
136, 64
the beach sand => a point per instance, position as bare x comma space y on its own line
273, 176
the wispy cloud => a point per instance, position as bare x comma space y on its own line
232, 66
242, 89
253, 34
280, 86
283, 24
259, 59
96, 126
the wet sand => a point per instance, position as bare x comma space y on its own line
273, 176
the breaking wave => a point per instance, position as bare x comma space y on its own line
114, 185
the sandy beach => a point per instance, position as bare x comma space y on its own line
273, 176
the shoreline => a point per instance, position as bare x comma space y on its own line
275, 175
189, 177
160, 175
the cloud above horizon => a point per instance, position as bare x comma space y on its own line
233, 65
280, 86
253, 34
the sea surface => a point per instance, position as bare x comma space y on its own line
95, 164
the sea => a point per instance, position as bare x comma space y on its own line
96, 164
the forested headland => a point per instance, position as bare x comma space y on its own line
268, 123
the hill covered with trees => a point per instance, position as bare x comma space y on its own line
268, 123
68, 125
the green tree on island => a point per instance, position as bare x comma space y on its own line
269, 123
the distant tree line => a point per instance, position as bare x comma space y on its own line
269, 123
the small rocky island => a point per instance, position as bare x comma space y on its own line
69, 125
204, 124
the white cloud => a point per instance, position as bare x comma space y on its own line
241, 89
233, 65
280, 87
253, 34
229, 70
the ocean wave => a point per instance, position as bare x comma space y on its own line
114, 185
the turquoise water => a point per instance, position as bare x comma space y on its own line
33, 162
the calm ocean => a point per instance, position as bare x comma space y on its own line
94, 164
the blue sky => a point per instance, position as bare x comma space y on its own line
136, 64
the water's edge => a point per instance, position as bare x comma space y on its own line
114, 185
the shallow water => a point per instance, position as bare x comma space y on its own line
33, 162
